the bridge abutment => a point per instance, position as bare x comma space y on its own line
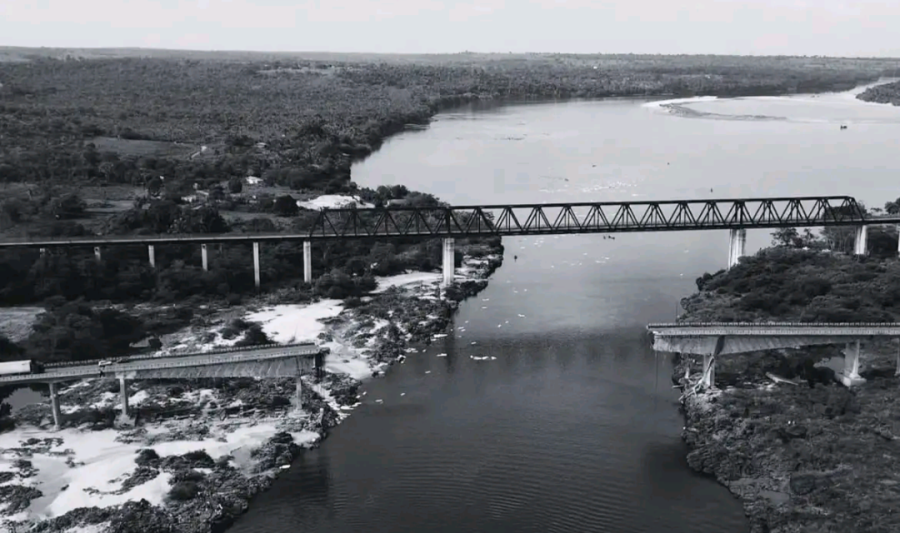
151, 252
737, 246
449, 260
307, 261
54, 405
860, 244
850, 376
204, 257
256, 263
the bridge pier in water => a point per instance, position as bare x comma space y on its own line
449, 262
737, 246
860, 244
204, 257
307, 261
151, 251
54, 404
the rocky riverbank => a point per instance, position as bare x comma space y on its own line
806, 455
195, 453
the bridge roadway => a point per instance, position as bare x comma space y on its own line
712, 339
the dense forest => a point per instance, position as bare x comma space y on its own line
889, 93
75, 131
808, 278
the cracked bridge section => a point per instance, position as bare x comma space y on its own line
723, 338
262, 362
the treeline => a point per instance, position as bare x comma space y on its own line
807, 278
888, 93
313, 118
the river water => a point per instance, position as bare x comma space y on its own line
573, 427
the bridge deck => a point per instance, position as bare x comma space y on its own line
723, 338
170, 362
529, 219
776, 329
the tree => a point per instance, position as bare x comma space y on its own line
154, 186
286, 206
235, 185
789, 237
69, 206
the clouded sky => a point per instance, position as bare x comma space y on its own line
790, 27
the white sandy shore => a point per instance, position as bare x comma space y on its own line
86, 467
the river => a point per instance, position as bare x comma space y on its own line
573, 427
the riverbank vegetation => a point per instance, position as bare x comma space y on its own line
888, 93
808, 454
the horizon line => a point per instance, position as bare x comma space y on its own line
432, 54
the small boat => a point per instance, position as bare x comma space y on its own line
843, 126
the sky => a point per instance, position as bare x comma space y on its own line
747, 27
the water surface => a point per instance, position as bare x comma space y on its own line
573, 427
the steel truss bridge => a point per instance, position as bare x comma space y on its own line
528, 219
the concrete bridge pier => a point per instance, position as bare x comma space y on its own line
860, 244
709, 372
850, 376
897, 371
123, 391
151, 251
204, 257
307, 261
256, 264
54, 405
97, 253
449, 257
737, 246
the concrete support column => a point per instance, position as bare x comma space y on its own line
307, 261
860, 245
709, 372
898, 240
256, 264
43, 251
204, 255
850, 376
54, 405
737, 244
448, 262
151, 251
97, 252
123, 391
299, 392
897, 370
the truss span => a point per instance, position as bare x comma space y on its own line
528, 219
